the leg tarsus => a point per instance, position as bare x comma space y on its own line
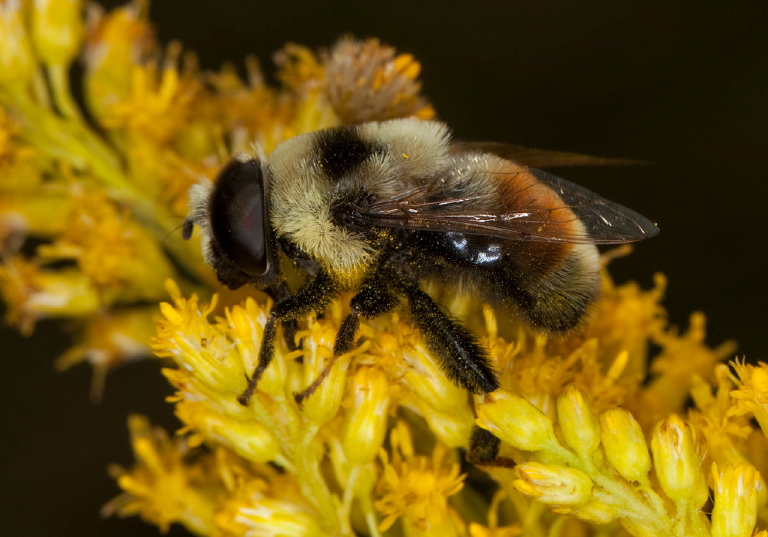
483, 446
301, 396
265, 357
484, 450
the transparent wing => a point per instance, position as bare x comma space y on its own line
540, 158
602, 221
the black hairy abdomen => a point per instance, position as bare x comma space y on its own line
551, 293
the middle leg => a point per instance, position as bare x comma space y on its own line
372, 300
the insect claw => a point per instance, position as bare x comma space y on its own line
244, 397
299, 398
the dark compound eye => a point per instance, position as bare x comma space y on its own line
239, 219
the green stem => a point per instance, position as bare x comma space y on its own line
59, 77
632, 502
312, 483
349, 494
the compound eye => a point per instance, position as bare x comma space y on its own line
239, 219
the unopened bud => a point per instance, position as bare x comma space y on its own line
365, 423
247, 438
323, 403
17, 63
57, 29
735, 510
515, 421
553, 484
676, 459
624, 444
577, 422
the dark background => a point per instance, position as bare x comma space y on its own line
683, 85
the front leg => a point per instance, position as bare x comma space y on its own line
279, 292
312, 297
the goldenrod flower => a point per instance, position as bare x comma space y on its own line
254, 511
422, 386
373, 442
752, 392
32, 293
681, 358
120, 258
117, 43
110, 340
19, 168
493, 529
417, 488
367, 82
324, 402
162, 487
724, 428
366, 423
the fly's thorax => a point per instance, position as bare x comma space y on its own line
312, 175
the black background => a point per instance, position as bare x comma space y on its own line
683, 85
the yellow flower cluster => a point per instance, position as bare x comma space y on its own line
375, 448
594, 441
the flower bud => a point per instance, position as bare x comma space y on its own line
116, 43
17, 62
257, 511
248, 325
247, 438
442, 403
553, 484
595, 512
57, 30
516, 421
676, 459
735, 511
365, 421
324, 402
624, 444
577, 422
422, 375
32, 293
